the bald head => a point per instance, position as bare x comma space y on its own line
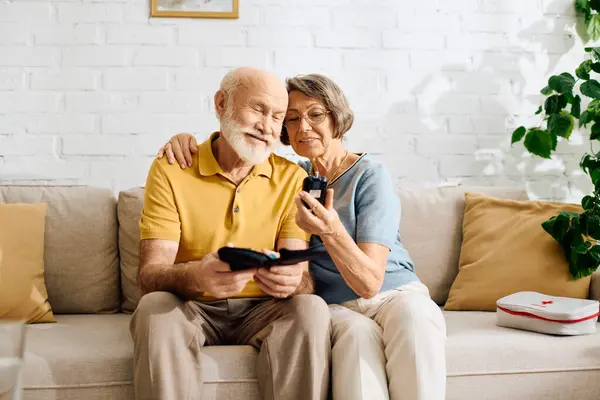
249, 78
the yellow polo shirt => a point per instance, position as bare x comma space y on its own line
203, 210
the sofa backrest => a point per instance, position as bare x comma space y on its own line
129, 211
431, 231
81, 266
84, 238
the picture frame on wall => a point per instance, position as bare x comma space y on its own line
195, 8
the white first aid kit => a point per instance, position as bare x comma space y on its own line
537, 312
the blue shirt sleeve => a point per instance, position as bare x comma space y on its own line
377, 208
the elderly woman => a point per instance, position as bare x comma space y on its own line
388, 335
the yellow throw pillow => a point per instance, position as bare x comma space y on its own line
23, 293
506, 250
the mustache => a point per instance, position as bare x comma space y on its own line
267, 138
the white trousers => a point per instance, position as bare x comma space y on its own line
392, 346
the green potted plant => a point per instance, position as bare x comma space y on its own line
577, 234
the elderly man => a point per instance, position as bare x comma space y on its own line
237, 192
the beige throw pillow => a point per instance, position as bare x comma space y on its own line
506, 250
23, 293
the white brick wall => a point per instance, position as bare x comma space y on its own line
90, 89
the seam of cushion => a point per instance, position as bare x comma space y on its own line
524, 371
79, 385
127, 383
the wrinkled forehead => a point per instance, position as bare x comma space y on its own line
265, 89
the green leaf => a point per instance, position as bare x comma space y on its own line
570, 214
546, 91
539, 142
555, 103
562, 83
593, 226
583, 220
591, 88
587, 203
561, 124
595, 131
583, 71
575, 108
596, 67
582, 265
595, 253
539, 110
557, 226
580, 249
582, 5
595, 52
595, 175
518, 134
585, 118
594, 108
594, 27
586, 162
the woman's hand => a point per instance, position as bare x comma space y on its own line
317, 219
180, 147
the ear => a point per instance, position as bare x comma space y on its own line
220, 100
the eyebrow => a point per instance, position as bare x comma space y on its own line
316, 103
262, 104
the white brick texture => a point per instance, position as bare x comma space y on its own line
90, 89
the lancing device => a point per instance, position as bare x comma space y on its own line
316, 186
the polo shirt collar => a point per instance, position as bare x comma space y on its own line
208, 165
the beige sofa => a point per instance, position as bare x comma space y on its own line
91, 248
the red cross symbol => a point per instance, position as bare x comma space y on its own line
544, 303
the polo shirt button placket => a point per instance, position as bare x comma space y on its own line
236, 209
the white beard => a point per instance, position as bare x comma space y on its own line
238, 139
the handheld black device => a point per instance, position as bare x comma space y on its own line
316, 186
240, 258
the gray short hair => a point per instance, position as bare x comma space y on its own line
230, 84
326, 91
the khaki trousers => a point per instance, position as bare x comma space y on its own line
389, 347
292, 336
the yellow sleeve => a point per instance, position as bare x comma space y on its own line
289, 228
160, 218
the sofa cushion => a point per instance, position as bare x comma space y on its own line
91, 357
431, 230
476, 345
129, 210
23, 294
505, 250
487, 361
80, 245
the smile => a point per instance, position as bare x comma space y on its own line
257, 138
307, 140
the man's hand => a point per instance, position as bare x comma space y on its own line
215, 277
280, 281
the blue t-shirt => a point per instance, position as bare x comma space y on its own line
365, 199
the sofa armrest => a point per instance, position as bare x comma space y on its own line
595, 286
